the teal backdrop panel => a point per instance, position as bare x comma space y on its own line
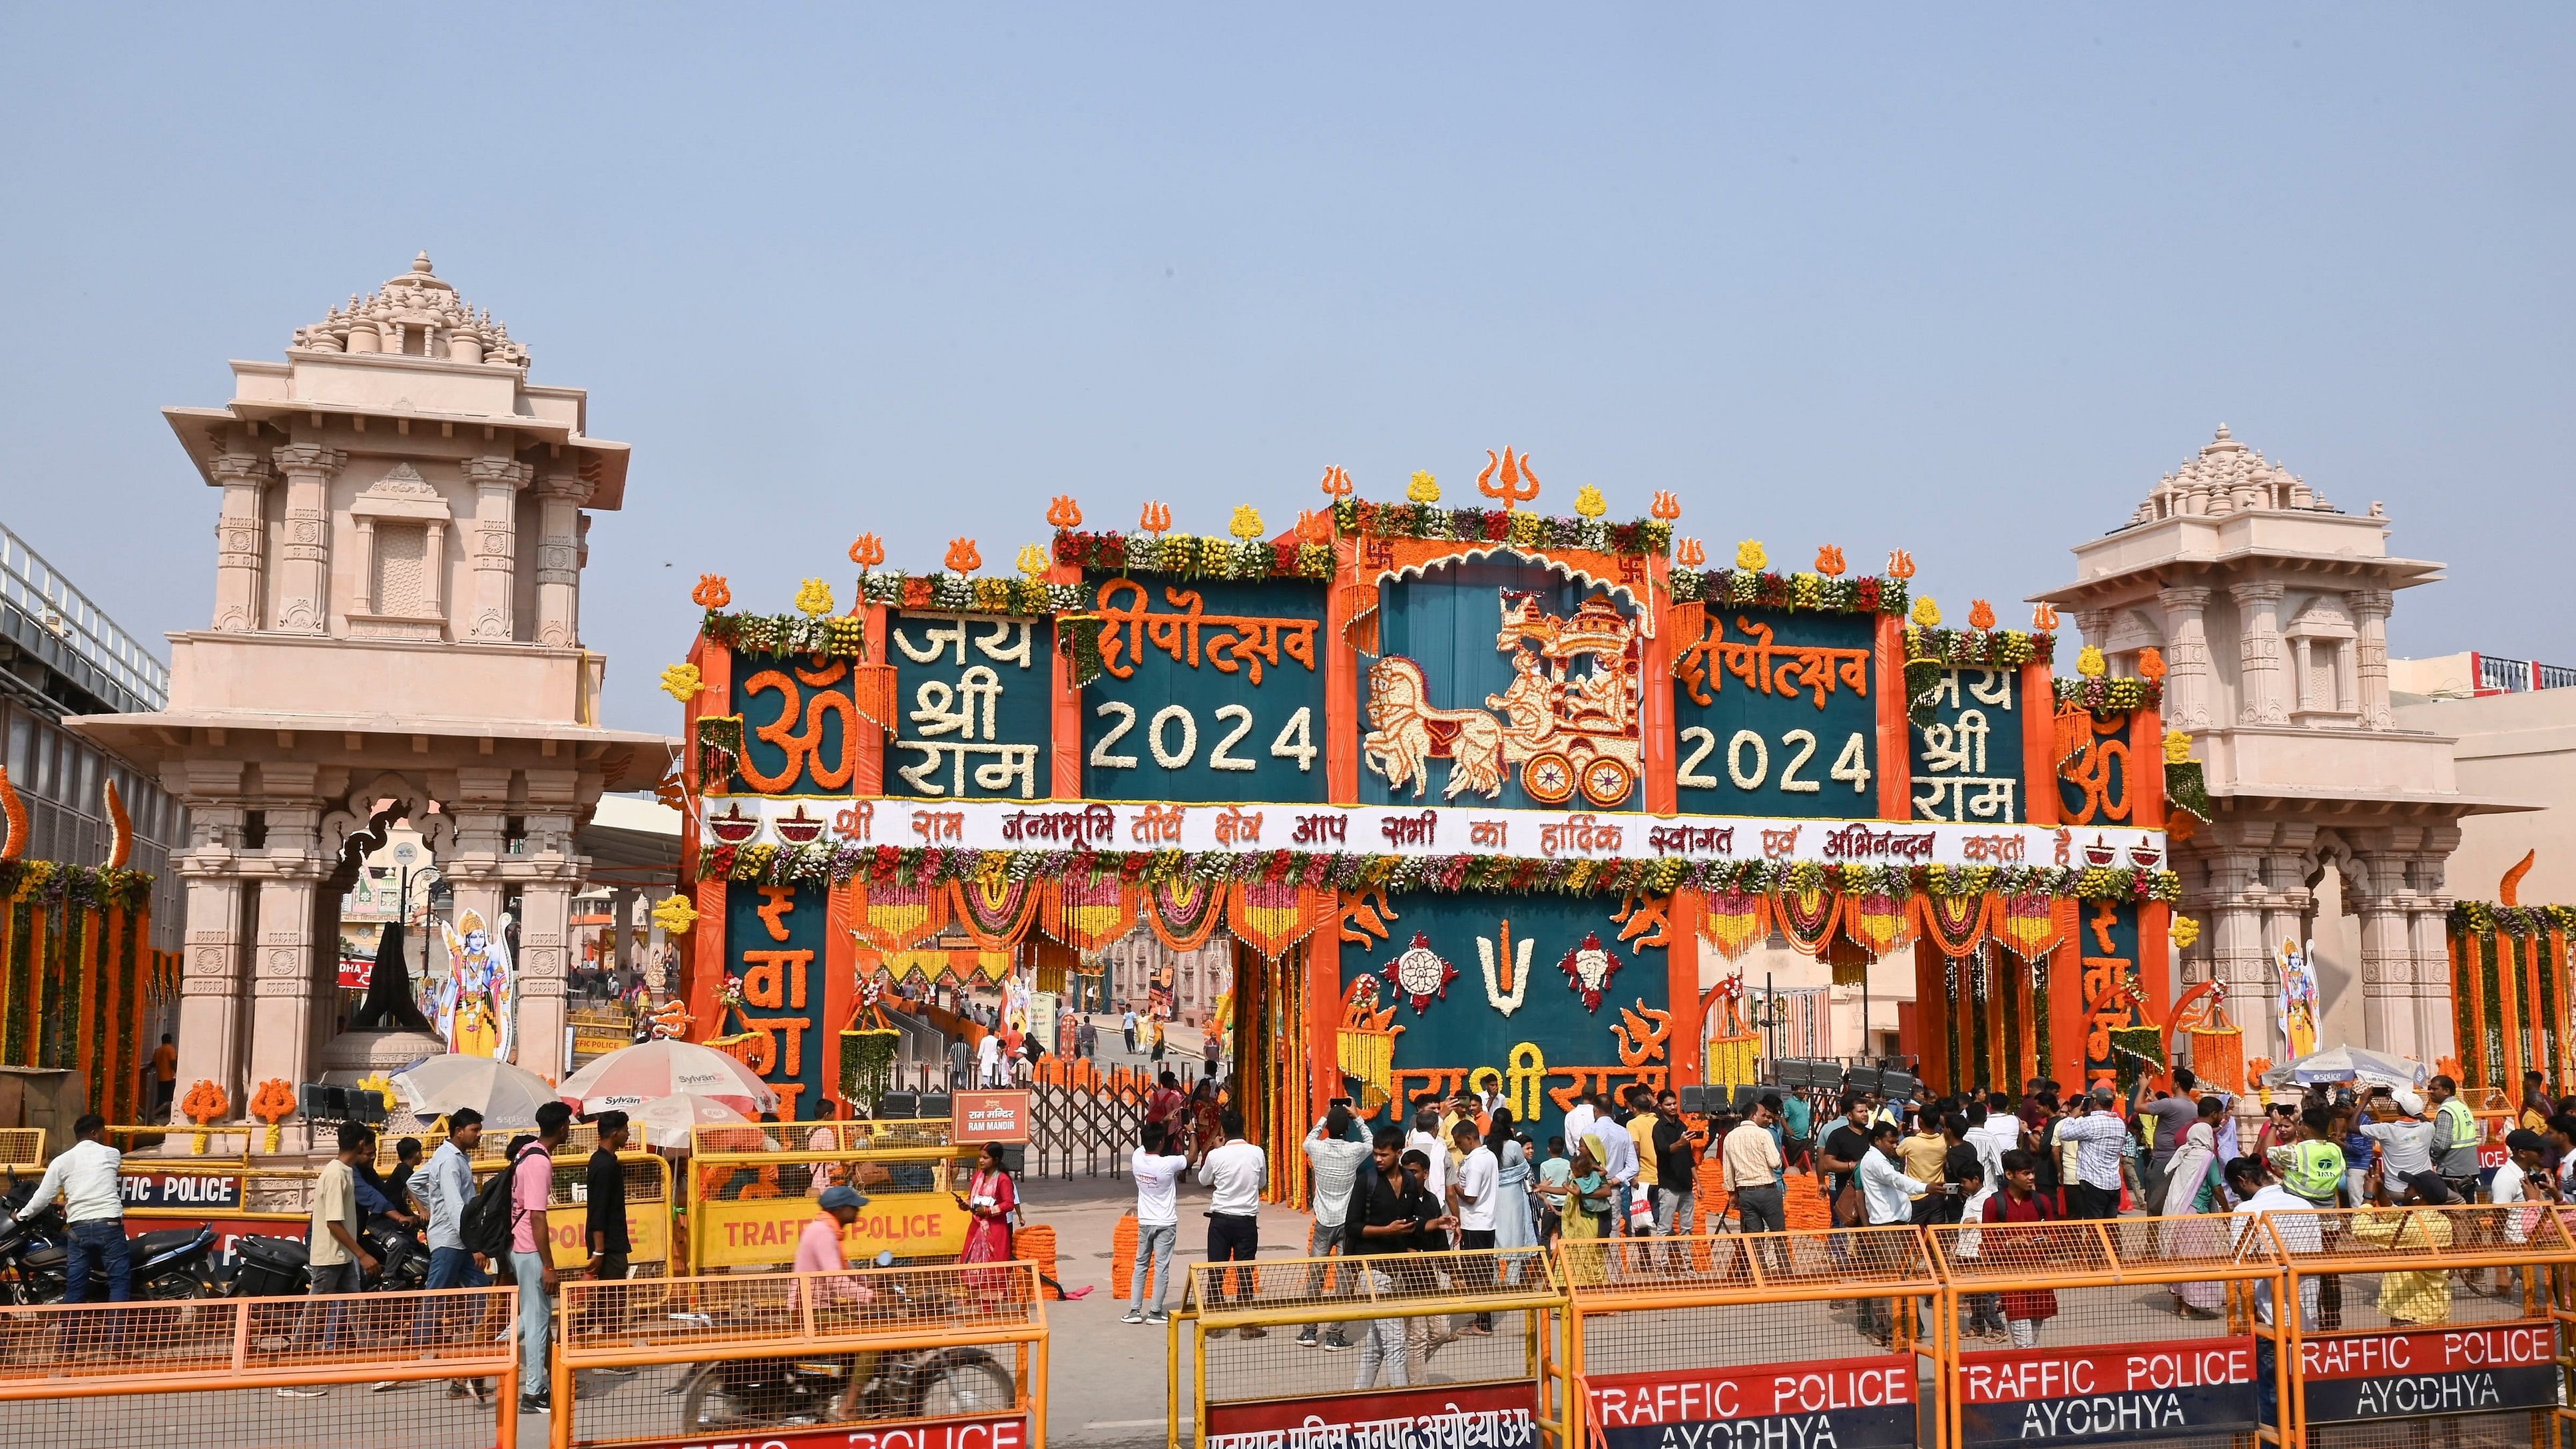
1510, 675
1968, 757
796, 723
1465, 1028
2107, 935
774, 944
1777, 714
972, 706
1211, 691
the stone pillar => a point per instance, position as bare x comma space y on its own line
290, 870
304, 555
2259, 653
2191, 689
2237, 953
495, 541
544, 923
210, 986
2377, 889
2436, 1024
620, 955
2370, 609
559, 500
366, 601
241, 543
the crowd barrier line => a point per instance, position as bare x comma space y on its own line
2073, 1256
722, 1318
1228, 1297
94, 1354
1612, 1277
2471, 1240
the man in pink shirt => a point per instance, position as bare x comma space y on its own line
532, 1190
818, 1250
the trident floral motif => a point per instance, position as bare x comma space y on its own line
1337, 482
1900, 564
1156, 519
1667, 505
962, 557
2044, 619
1588, 969
1691, 553
1515, 472
1829, 561
711, 592
1032, 562
1063, 512
867, 550
1420, 973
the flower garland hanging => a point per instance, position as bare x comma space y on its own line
1358, 518
1420, 973
2102, 694
1588, 969
1503, 1001
1190, 556
1809, 593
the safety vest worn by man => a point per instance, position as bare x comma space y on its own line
2316, 1171
2459, 1126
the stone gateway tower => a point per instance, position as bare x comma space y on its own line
2271, 607
396, 634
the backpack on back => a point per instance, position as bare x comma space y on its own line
485, 1225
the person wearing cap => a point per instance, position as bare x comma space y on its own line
819, 1250
2405, 1143
2521, 1180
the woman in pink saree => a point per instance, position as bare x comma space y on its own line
990, 1198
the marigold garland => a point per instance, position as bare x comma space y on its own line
1357, 518
1798, 592
2103, 694
1190, 556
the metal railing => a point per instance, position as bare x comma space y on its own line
35, 589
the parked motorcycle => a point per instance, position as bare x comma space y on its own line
778, 1393
35, 1251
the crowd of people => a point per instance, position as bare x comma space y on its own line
1464, 1174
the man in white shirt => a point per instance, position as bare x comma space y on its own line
1472, 1199
2405, 1139
1425, 1139
1334, 1152
1620, 1170
1749, 1167
1889, 1195
94, 1206
1234, 1174
2257, 1196
988, 1060
1581, 1120
1997, 1133
1158, 1221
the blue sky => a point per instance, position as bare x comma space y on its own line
1966, 283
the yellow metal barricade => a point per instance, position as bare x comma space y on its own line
2147, 1330
746, 1208
280, 1373
580, 1140
2424, 1325
892, 1357
847, 1135
162, 1140
650, 1232
22, 1146
1790, 1338
1468, 1344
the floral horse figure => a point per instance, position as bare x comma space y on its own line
1409, 734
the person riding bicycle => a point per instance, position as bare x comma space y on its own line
819, 1249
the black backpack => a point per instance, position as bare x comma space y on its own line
488, 1219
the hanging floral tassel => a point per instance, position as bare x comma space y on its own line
2027, 925
1954, 924
1806, 917
1087, 909
995, 909
894, 917
1877, 922
1734, 921
1184, 912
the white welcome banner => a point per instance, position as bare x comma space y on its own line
1414, 831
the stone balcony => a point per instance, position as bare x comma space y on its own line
289, 681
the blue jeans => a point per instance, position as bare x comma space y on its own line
448, 1268
323, 1280
98, 1240
536, 1321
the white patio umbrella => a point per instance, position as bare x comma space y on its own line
630, 1076
2353, 1064
506, 1095
665, 1121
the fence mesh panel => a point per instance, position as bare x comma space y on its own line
676, 1359
1460, 1318
173, 1376
2458, 1348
